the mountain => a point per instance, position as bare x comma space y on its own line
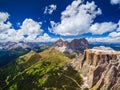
79, 45
63, 66
47, 70
60, 45
76, 45
12, 50
115, 46
16, 45
100, 68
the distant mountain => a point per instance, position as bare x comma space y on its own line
76, 45
79, 45
12, 50
14, 45
115, 46
47, 70
60, 45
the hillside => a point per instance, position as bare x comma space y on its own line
49, 70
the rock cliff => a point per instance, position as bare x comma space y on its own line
100, 68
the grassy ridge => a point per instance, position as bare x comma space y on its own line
48, 70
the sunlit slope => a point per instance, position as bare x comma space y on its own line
39, 71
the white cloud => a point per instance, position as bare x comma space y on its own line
4, 16
50, 9
29, 30
30, 27
11, 35
2, 37
31, 38
76, 19
112, 37
3, 24
115, 1
104, 39
118, 28
114, 34
101, 28
46, 38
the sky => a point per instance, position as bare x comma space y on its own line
49, 20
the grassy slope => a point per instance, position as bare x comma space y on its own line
40, 71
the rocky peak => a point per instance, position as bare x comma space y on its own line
60, 43
100, 66
79, 45
76, 45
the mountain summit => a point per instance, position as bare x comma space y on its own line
79, 45
76, 45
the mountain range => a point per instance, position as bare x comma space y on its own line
40, 71
12, 50
60, 66
76, 45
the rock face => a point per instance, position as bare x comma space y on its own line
79, 45
76, 45
60, 45
100, 67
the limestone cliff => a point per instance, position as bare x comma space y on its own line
100, 68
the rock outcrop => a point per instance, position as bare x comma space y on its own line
100, 68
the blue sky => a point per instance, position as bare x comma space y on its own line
49, 20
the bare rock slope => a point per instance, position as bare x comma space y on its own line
100, 68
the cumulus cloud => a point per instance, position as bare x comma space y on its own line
76, 19
101, 28
50, 9
30, 27
115, 1
3, 16
118, 28
114, 34
46, 38
11, 35
29, 31
3, 24
104, 39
